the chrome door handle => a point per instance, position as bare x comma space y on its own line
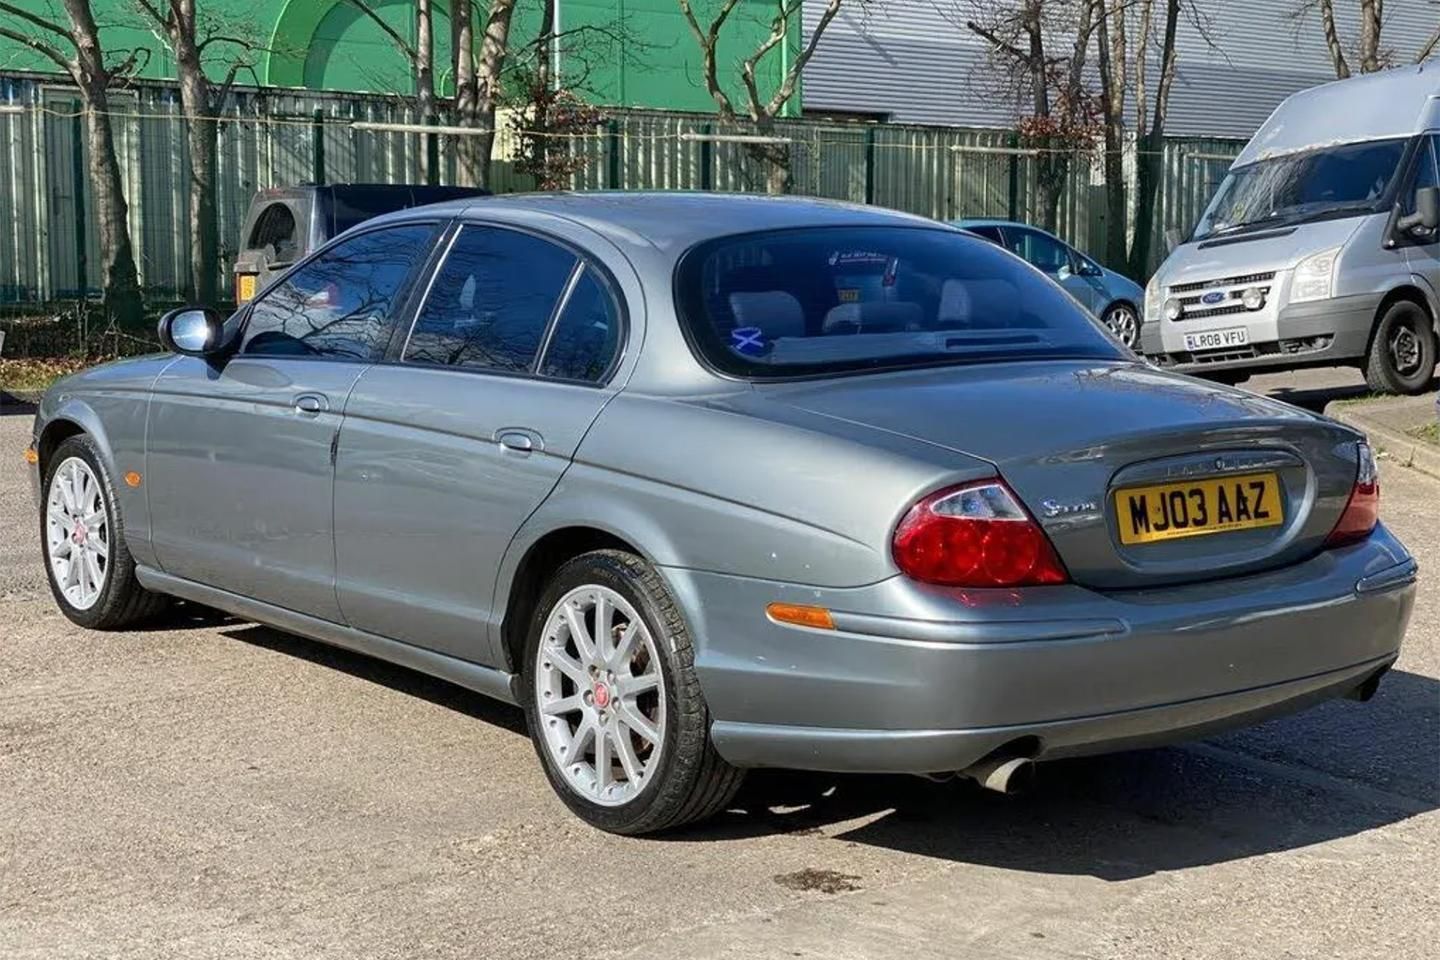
519, 441
311, 404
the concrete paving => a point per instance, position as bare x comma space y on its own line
211, 788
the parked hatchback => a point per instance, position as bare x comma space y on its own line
706, 483
1114, 298
286, 224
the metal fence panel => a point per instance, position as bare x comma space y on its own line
49, 249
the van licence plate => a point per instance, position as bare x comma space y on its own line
1216, 339
1195, 508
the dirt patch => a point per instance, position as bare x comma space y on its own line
825, 881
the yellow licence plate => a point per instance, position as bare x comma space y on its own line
244, 287
1194, 508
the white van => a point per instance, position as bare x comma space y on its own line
1320, 246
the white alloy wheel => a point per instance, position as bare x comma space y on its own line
77, 533
600, 696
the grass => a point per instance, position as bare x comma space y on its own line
1430, 432
37, 374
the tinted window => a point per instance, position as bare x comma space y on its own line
276, 228
339, 305
586, 333
989, 233
1042, 251
801, 302
491, 301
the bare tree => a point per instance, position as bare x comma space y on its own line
478, 82
1366, 51
420, 56
74, 46
193, 41
1149, 161
760, 109
1112, 39
1061, 122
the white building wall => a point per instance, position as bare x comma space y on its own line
914, 62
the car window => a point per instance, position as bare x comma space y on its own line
586, 334
276, 227
341, 304
989, 233
1427, 173
813, 301
1041, 251
491, 301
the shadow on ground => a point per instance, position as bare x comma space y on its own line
400, 679
1332, 772
13, 406
1337, 770
1316, 400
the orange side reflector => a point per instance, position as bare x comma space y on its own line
801, 615
132, 479
32, 456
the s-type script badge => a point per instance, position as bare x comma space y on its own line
1054, 508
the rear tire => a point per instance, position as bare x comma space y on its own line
583, 715
82, 538
1124, 322
1402, 352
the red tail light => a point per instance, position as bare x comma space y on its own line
1363, 511
975, 535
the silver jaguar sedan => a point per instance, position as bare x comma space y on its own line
706, 483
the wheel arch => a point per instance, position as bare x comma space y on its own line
1408, 291
71, 419
524, 580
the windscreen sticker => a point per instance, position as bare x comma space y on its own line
748, 340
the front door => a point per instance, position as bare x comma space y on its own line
444, 454
238, 456
1423, 251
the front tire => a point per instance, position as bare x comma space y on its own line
1402, 352
90, 570
613, 703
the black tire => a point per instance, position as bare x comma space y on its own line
122, 602
692, 781
1402, 352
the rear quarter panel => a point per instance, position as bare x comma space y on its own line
731, 484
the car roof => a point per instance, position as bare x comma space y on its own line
1375, 106
671, 220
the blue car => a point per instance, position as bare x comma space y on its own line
1114, 298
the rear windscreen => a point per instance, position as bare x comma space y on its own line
813, 301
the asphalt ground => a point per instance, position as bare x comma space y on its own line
212, 788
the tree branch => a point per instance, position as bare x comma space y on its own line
40, 47
1429, 47
709, 40
390, 31
787, 86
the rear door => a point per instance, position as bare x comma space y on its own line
446, 450
238, 462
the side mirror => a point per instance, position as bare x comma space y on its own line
1427, 212
192, 331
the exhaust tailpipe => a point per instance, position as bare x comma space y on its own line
1368, 686
1003, 774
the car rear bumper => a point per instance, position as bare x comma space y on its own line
918, 679
1323, 332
